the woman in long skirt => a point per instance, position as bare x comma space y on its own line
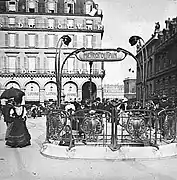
17, 134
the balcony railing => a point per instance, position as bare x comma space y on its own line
48, 72
58, 27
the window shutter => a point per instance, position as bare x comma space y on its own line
84, 41
27, 6
76, 64
75, 23
37, 20
6, 40
84, 24
37, 64
95, 24
17, 40
93, 41
26, 40
46, 40
18, 64
56, 40
75, 41
17, 20
55, 23
65, 7
6, 20
5, 63
65, 23
26, 63
44, 64
26, 22
46, 23
37, 40
46, 7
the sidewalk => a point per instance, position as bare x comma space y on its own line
93, 152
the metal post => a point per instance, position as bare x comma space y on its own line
90, 63
65, 39
143, 75
57, 68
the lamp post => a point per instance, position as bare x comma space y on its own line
65, 39
133, 41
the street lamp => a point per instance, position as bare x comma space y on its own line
65, 39
133, 41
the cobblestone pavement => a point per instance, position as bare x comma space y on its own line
28, 164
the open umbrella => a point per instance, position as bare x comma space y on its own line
12, 92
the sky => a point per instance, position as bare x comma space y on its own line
125, 18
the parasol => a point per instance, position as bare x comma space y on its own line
11, 93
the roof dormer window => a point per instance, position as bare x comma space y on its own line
69, 6
32, 6
51, 7
12, 5
89, 6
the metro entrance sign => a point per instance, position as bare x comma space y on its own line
99, 55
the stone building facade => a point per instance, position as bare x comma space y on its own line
113, 91
30, 30
160, 63
130, 88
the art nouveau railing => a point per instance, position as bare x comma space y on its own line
97, 127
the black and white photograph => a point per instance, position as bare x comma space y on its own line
88, 89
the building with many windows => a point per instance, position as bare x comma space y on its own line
30, 30
160, 63
130, 88
113, 91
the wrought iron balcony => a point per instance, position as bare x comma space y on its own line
11, 72
59, 27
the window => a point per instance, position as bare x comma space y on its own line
51, 7
70, 23
11, 21
31, 40
51, 40
89, 7
69, 7
51, 63
32, 63
31, 6
12, 40
51, 23
11, 63
89, 24
12, 5
31, 22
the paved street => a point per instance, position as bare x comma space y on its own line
28, 164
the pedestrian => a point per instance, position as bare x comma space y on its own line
6, 110
34, 111
17, 134
67, 138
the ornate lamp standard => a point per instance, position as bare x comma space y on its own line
65, 39
133, 41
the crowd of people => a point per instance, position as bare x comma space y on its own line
15, 114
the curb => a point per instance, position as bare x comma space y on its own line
105, 153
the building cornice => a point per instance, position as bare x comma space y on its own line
53, 14
47, 75
52, 30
